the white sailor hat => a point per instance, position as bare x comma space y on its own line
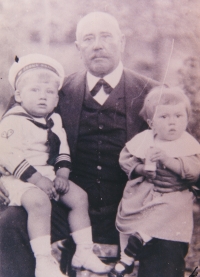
34, 61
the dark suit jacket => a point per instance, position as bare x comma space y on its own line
72, 96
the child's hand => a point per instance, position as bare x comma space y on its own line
61, 184
158, 155
47, 186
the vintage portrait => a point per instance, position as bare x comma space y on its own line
100, 138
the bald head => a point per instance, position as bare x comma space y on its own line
100, 42
94, 18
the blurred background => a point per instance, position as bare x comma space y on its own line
162, 42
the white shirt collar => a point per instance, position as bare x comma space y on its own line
112, 79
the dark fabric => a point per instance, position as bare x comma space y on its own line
162, 258
53, 141
107, 88
17, 259
71, 100
134, 246
103, 225
27, 173
62, 164
102, 135
16, 256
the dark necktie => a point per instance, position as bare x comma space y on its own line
53, 141
107, 88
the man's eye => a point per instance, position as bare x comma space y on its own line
178, 115
163, 116
106, 36
88, 39
34, 89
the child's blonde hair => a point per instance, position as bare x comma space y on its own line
163, 95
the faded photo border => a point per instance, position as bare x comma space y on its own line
162, 42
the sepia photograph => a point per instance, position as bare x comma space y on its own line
100, 138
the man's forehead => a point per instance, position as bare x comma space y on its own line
97, 22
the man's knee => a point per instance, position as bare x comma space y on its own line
14, 244
13, 217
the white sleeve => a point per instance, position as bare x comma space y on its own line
11, 147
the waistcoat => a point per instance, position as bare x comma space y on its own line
102, 135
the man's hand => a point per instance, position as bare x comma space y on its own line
3, 171
4, 200
150, 175
140, 170
47, 186
61, 184
167, 181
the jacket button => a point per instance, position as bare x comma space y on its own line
100, 127
98, 181
99, 167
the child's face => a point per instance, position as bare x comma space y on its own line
169, 121
37, 92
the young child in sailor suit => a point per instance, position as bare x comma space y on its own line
35, 151
143, 213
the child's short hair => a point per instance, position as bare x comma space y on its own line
162, 95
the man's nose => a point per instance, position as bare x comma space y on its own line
97, 43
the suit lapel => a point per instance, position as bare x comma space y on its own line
135, 91
71, 100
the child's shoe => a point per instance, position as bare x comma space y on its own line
47, 266
124, 269
86, 259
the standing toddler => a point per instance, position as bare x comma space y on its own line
144, 213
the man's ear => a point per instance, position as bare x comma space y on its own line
150, 123
17, 96
77, 45
78, 48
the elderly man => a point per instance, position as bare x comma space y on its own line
99, 108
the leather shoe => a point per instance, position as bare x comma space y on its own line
127, 270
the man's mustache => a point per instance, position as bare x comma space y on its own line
96, 56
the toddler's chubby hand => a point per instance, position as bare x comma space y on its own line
61, 184
47, 186
158, 155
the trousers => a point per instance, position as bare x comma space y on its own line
162, 258
16, 256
